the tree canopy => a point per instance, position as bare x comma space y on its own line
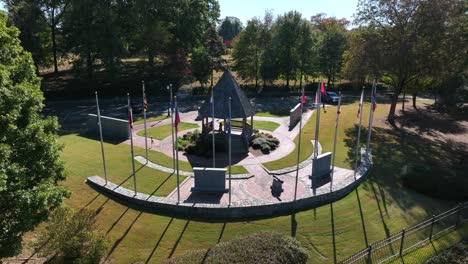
30, 163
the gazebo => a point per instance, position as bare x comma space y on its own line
240, 109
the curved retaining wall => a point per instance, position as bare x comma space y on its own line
218, 212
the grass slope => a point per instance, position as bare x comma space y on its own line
386, 206
161, 132
139, 119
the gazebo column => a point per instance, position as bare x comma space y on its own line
203, 125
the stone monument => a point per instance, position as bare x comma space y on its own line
209, 180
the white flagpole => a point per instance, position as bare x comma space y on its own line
317, 121
230, 128
100, 135
338, 112
177, 154
213, 128
299, 145
172, 126
371, 117
131, 142
358, 145
144, 117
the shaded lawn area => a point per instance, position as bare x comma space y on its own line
273, 113
258, 124
140, 120
161, 132
348, 119
379, 207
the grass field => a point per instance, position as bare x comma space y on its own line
265, 125
139, 119
161, 132
379, 207
273, 113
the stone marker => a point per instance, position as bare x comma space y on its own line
321, 166
294, 116
209, 180
112, 128
276, 187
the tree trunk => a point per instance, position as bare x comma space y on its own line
403, 103
328, 81
89, 65
54, 47
414, 100
287, 81
391, 113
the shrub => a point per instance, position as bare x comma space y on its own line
70, 237
437, 182
265, 142
256, 248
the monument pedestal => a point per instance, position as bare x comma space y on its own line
209, 180
321, 169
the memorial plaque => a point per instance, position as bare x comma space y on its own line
209, 180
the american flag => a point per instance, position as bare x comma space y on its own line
177, 119
145, 102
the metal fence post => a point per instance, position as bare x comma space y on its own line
369, 254
432, 227
402, 241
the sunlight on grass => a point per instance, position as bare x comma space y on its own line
161, 132
140, 120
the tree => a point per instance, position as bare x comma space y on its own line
286, 35
247, 52
415, 38
230, 27
70, 237
331, 45
30, 163
201, 65
215, 48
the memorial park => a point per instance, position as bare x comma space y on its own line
192, 138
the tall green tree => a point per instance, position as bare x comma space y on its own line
201, 65
331, 45
286, 35
416, 39
30, 163
230, 27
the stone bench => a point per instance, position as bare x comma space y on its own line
209, 180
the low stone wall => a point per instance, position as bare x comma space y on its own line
235, 212
294, 116
112, 128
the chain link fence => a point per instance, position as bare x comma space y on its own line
396, 245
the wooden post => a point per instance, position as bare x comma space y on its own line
402, 241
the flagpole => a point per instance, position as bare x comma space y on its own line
100, 136
130, 123
338, 112
371, 117
172, 125
317, 121
212, 127
230, 128
177, 153
145, 106
299, 145
361, 105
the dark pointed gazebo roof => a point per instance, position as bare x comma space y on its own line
225, 88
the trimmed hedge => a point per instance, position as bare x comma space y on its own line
256, 248
265, 142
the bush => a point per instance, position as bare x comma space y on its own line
256, 248
437, 182
265, 142
70, 237
455, 255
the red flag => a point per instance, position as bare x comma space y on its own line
324, 90
304, 99
177, 120
374, 98
130, 117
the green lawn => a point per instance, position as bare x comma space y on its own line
348, 120
265, 125
139, 119
387, 207
161, 132
273, 113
